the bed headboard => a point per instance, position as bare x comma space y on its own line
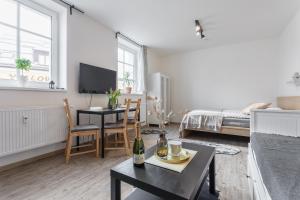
280, 122
289, 102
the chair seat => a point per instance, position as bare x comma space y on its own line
113, 125
85, 128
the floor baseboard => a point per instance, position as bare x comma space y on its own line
30, 160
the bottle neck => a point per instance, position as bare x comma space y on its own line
137, 131
138, 136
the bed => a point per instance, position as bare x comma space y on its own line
230, 122
270, 154
274, 152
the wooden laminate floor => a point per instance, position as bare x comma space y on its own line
88, 178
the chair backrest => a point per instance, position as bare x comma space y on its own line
68, 113
138, 108
125, 120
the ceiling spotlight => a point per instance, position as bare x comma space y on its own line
202, 35
197, 25
199, 29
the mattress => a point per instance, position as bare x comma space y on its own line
236, 122
235, 114
278, 159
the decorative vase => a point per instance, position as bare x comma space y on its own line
23, 80
112, 104
128, 90
162, 146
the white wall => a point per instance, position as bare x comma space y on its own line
226, 77
154, 61
289, 57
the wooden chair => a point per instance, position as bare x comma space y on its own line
79, 131
132, 121
120, 130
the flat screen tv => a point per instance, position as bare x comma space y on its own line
96, 80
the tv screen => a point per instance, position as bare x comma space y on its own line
96, 80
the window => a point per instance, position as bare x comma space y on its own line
27, 30
127, 64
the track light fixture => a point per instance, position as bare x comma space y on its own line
199, 29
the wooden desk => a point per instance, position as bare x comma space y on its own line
102, 113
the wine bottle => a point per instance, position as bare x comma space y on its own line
138, 148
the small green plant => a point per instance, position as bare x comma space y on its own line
128, 82
113, 97
23, 64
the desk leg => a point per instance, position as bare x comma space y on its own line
115, 186
212, 183
117, 117
102, 136
78, 123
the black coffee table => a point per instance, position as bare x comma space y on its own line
156, 183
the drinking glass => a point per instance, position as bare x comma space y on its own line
175, 147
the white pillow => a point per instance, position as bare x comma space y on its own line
254, 106
273, 108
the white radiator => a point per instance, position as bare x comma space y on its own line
24, 129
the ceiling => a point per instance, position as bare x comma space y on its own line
168, 25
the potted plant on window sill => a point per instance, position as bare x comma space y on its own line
113, 98
128, 83
23, 64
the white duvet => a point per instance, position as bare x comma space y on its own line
208, 119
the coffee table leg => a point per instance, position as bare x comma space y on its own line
212, 183
115, 185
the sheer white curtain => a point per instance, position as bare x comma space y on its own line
141, 69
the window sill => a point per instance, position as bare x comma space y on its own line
33, 89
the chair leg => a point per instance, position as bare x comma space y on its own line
105, 139
97, 144
127, 135
67, 143
69, 147
120, 136
116, 139
126, 143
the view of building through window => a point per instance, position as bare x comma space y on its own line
24, 33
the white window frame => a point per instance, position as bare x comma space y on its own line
54, 70
135, 62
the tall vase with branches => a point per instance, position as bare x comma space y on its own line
162, 117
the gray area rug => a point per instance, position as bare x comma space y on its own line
220, 148
150, 131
